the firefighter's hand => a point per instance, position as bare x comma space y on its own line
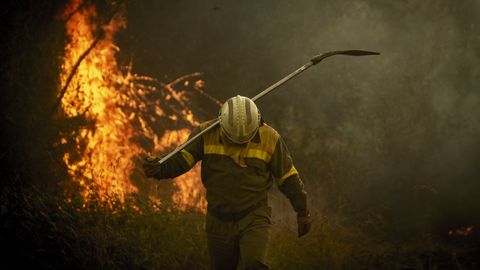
151, 167
304, 223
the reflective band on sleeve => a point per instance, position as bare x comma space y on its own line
188, 157
285, 176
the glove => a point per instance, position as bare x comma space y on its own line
304, 223
151, 167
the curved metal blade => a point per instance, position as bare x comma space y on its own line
316, 59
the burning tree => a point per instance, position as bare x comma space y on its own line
124, 115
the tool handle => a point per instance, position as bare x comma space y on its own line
315, 60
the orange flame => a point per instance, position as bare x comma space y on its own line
120, 114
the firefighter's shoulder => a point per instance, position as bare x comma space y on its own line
268, 132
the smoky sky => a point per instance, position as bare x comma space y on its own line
399, 131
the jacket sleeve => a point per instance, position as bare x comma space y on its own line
287, 178
183, 161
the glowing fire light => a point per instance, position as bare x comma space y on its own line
119, 113
463, 231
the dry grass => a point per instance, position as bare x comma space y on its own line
49, 232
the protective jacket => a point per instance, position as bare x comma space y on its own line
237, 177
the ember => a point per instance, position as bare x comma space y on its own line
463, 231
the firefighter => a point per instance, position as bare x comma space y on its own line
241, 159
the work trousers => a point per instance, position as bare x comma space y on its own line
241, 244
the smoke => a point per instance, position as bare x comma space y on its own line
397, 133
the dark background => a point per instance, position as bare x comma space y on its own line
398, 133
387, 145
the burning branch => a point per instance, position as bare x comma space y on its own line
129, 113
75, 11
74, 70
100, 35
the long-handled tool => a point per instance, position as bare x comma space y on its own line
315, 60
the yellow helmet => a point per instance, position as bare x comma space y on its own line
239, 119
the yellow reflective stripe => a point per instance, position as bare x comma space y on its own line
214, 149
188, 157
251, 153
263, 150
260, 154
285, 176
